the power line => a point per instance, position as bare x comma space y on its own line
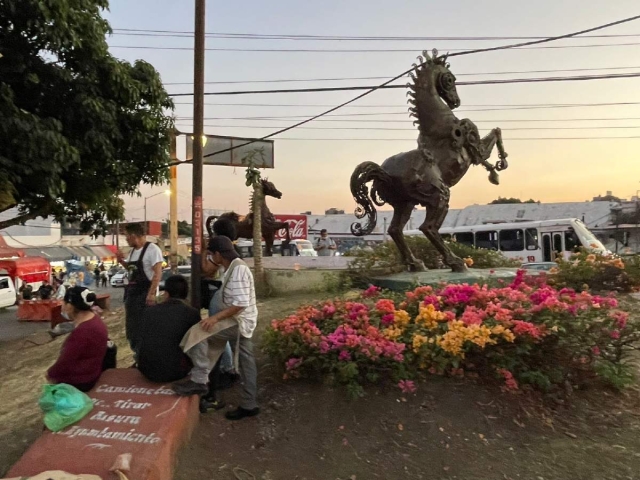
369, 50
339, 79
497, 106
408, 120
371, 90
387, 86
257, 36
413, 129
506, 139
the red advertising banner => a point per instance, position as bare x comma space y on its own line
297, 227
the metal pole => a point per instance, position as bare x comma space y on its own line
198, 127
173, 207
117, 234
145, 215
384, 231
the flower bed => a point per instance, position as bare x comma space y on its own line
588, 270
527, 335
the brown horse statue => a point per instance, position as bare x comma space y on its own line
447, 147
270, 225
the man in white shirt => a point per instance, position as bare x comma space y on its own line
144, 267
325, 246
235, 320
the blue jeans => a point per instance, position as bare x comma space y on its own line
226, 361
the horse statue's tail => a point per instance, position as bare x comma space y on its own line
209, 224
363, 174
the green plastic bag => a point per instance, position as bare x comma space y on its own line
63, 405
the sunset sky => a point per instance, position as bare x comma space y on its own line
314, 174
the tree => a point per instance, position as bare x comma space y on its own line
184, 228
505, 200
78, 127
253, 178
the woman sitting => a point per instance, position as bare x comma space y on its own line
80, 361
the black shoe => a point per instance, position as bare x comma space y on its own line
210, 404
239, 413
186, 389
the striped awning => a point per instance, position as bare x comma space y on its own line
101, 251
53, 254
83, 253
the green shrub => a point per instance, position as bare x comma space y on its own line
385, 258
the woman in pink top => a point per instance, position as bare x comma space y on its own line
83, 352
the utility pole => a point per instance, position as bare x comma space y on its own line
198, 130
173, 205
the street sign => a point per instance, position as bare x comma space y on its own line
233, 158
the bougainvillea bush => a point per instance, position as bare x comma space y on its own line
526, 335
594, 271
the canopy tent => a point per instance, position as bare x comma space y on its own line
28, 269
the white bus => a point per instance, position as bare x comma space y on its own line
539, 241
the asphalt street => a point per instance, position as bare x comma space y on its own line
12, 329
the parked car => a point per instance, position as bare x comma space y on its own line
184, 270
8, 296
119, 279
539, 266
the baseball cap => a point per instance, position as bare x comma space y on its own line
224, 246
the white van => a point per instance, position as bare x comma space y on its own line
8, 294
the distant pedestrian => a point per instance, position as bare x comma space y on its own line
104, 277
325, 246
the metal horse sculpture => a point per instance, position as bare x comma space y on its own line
447, 147
244, 227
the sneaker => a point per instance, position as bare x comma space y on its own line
210, 404
240, 413
186, 389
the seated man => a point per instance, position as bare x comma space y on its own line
160, 358
234, 321
45, 290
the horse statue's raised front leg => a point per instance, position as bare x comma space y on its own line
493, 139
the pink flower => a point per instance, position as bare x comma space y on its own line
526, 328
328, 310
387, 319
510, 383
344, 356
385, 306
615, 334
371, 292
595, 350
407, 386
293, 363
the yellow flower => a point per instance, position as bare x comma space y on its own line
418, 341
553, 270
401, 318
392, 333
429, 316
554, 328
469, 261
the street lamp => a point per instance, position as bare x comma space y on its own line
166, 192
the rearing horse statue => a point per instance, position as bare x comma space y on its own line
447, 147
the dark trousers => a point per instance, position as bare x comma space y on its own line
134, 306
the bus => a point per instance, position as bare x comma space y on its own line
541, 241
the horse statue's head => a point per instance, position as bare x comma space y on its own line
269, 189
432, 76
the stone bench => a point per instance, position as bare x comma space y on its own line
131, 415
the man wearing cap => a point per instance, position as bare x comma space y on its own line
234, 321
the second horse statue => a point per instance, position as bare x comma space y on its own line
270, 225
447, 147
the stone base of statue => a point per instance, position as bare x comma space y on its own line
409, 280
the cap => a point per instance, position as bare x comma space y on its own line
224, 246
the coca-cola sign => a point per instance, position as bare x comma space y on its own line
297, 227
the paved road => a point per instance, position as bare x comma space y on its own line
12, 329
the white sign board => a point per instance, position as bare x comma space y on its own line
241, 148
